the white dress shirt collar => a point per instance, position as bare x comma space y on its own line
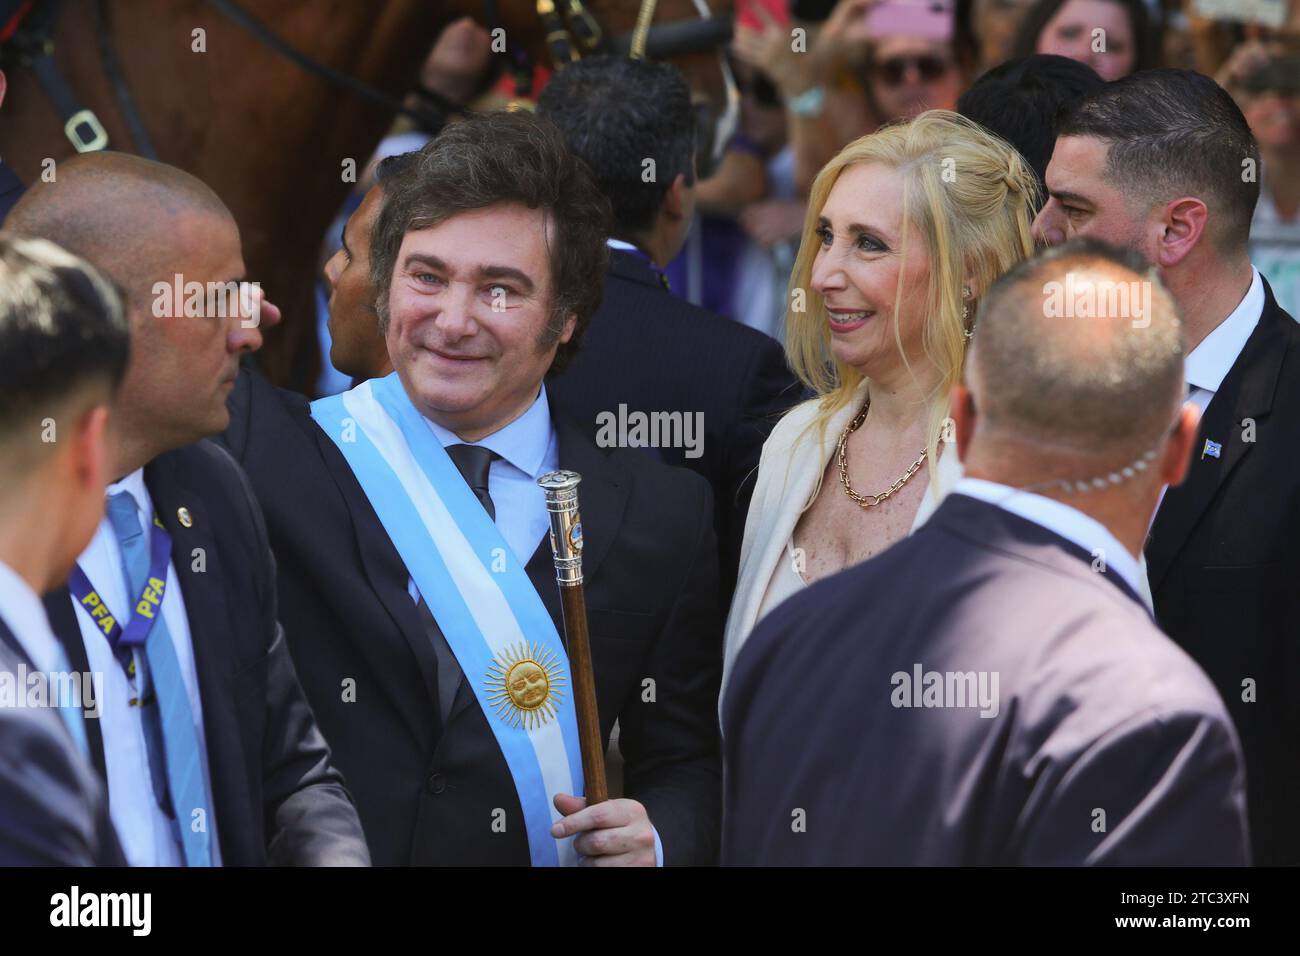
523, 443
1208, 364
1070, 523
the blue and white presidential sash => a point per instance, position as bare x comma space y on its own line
479, 593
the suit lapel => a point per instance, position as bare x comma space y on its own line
602, 498
1246, 392
63, 622
8, 640
385, 570
207, 591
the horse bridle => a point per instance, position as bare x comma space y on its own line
566, 36
578, 30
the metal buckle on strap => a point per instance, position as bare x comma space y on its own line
98, 137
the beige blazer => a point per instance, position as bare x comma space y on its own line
789, 472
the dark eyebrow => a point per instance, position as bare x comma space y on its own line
343, 237
507, 272
433, 262
487, 272
1064, 195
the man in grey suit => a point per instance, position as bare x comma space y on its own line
993, 689
63, 352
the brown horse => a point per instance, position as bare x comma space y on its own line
269, 137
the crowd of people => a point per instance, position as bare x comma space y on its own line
962, 532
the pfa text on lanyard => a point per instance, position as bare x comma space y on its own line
148, 603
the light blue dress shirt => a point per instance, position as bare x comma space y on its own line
529, 449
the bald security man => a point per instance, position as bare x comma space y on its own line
1006, 697
1157, 162
211, 753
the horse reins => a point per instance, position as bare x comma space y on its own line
28, 35
29, 26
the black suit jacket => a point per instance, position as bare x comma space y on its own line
52, 806
654, 352
427, 792
1100, 742
1223, 558
11, 190
276, 796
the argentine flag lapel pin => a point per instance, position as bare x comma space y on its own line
1212, 449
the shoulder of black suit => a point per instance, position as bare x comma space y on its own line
638, 268
11, 190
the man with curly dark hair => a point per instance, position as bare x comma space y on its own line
417, 583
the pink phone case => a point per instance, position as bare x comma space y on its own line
928, 19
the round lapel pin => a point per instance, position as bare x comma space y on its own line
183, 516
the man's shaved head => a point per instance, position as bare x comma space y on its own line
1078, 355
157, 232
113, 209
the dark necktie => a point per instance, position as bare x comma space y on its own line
473, 462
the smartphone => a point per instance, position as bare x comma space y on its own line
927, 19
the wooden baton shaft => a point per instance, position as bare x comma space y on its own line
584, 693
561, 490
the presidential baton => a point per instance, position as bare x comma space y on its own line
561, 489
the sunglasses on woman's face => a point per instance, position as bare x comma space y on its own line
893, 70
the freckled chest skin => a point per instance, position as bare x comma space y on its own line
835, 532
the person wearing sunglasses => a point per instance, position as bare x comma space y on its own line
871, 62
908, 75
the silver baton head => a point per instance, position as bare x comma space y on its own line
561, 490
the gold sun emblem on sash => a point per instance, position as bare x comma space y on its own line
523, 683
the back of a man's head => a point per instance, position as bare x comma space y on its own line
1176, 133
617, 113
1022, 100
64, 344
1077, 361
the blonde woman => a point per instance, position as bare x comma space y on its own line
905, 229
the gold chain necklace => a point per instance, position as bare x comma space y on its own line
868, 501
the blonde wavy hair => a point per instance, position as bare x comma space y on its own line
972, 197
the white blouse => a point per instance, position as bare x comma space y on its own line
786, 582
